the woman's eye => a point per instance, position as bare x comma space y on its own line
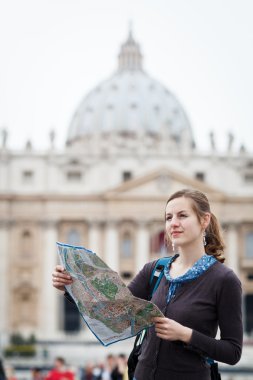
168, 218
183, 216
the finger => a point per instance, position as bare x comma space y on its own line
58, 285
160, 330
60, 268
158, 319
62, 281
161, 324
65, 275
163, 321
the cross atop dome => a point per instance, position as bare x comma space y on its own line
130, 57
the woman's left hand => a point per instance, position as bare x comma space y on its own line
169, 329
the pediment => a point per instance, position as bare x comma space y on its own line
160, 184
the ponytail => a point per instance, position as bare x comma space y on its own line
214, 242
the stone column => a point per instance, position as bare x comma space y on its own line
94, 237
49, 303
4, 249
232, 250
143, 246
112, 246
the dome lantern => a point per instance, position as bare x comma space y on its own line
130, 57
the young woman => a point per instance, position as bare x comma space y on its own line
197, 295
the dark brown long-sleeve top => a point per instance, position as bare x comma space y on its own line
212, 300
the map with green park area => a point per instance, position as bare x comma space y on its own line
105, 303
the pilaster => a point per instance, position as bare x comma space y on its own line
112, 245
232, 251
94, 237
49, 301
4, 295
143, 246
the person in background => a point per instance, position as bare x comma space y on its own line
110, 364
10, 373
87, 372
120, 371
98, 371
2, 371
37, 374
60, 372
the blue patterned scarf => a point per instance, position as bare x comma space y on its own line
205, 262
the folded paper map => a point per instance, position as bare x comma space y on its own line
107, 306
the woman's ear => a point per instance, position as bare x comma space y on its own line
206, 220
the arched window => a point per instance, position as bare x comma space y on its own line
25, 299
108, 119
126, 245
249, 245
248, 301
71, 317
133, 116
26, 244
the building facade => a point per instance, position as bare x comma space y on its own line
129, 146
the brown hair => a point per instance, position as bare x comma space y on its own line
214, 243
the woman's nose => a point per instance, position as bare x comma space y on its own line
174, 221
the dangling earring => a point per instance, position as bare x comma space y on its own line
204, 238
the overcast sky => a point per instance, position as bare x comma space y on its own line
52, 52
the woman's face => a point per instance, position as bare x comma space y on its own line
182, 225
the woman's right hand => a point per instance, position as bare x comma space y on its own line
61, 277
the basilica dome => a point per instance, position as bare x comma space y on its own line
130, 101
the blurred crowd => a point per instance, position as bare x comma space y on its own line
114, 367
